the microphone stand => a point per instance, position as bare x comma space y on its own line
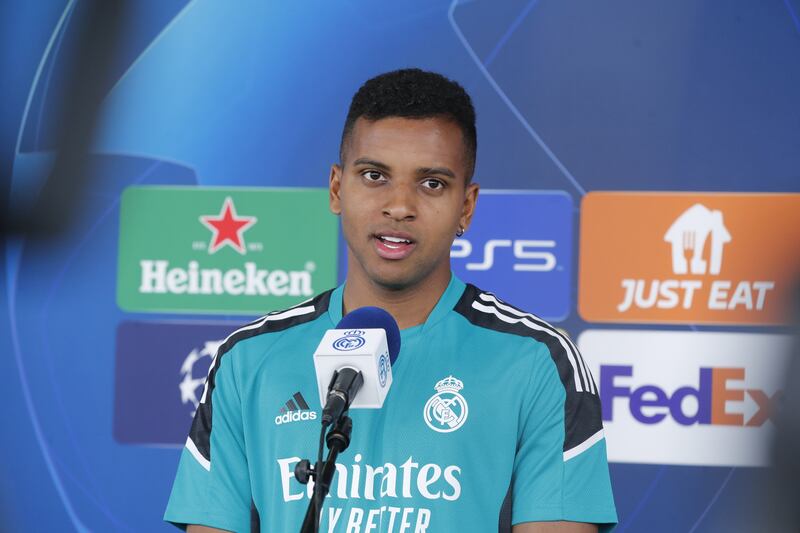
338, 439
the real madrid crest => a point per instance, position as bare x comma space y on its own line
446, 410
351, 340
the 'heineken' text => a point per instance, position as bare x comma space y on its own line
159, 278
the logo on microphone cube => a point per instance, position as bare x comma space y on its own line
352, 340
384, 367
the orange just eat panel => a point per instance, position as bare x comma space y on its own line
688, 258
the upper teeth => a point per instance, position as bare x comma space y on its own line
394, 239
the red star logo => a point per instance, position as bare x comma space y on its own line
227, 228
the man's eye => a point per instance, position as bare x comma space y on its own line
372, 175
433, 184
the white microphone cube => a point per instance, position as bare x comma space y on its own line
363, 349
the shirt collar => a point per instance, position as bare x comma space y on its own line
448, 300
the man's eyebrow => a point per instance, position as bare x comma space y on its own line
444, 171
370, 163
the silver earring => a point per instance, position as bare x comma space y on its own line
460, 232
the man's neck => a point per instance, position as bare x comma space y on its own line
409, 306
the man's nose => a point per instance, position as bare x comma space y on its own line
400, 203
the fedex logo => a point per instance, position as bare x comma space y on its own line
687, 397
712, 401
520, 245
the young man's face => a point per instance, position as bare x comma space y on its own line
401, 194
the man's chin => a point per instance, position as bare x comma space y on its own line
394, 283
403, 279
397, 281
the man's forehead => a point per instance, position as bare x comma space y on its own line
436, 125
432, 140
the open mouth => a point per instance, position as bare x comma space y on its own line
393, 246
393, 242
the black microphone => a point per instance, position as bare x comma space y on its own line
345, 384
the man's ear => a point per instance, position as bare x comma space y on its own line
468, 209
334, 187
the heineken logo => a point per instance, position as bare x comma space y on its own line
160, 277
208, 250
227, 228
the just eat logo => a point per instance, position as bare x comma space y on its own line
711, 401
688, 258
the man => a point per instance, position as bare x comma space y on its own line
492, 418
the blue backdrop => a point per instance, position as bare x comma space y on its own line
571, 96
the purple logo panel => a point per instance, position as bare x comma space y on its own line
160, 372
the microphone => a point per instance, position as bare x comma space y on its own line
357, 355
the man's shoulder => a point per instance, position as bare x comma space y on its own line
486, 310
281, 321
530, 333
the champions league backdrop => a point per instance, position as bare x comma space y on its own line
639, 171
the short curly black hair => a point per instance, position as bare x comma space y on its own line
414, 93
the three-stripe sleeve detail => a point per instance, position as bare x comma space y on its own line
583, 379
583, 425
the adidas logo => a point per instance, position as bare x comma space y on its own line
296, 409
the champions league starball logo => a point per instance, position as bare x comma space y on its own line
352, 340
446, 410
194, 371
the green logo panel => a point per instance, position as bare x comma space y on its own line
213, 250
